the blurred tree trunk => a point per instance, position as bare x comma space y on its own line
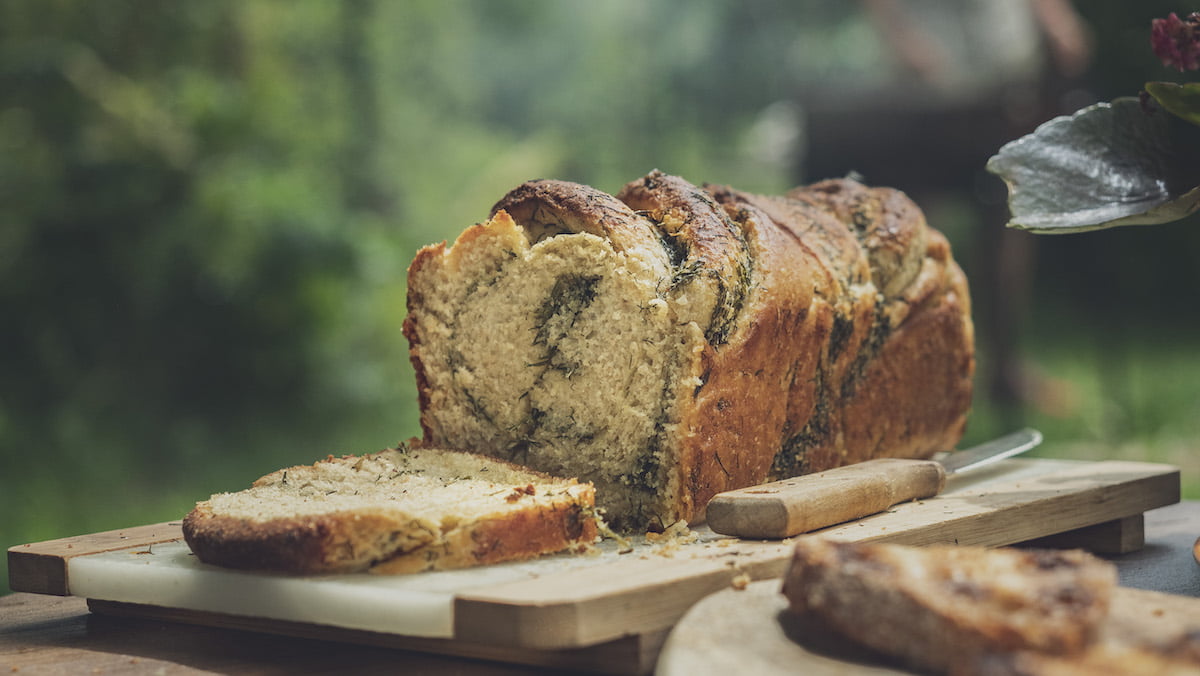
361, 186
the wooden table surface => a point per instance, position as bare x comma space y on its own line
57, 635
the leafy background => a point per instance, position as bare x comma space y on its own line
207, 210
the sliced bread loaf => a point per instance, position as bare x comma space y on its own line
676, 341
397, 511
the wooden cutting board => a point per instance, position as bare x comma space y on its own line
607, 612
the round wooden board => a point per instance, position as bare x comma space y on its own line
747, 632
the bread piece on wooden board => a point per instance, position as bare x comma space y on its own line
675, 341
397, 511
1175, 658
942, 606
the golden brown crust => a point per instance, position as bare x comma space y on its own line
538, 515
548, 207
892, 417
513, 537
414, 299
888, 225
835, 327
736, 414
857, 357
335, 543
712, 258
322, 545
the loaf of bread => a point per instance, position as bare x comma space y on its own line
941, 608
398, 511
674, 341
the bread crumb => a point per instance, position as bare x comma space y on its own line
520, 492
670, 540
603, 531
667, 549
581, 548
676, 534
740, 581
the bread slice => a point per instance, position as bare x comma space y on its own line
940, 606
397, 511
1147, 633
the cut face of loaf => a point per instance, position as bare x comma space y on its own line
397, 511
673, 342
944, 607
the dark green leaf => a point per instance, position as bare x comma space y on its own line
1107, 165
1182, 100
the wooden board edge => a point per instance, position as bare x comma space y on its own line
519, 632
1119, 536
1158, 486
586, 620
634, 654
37, 573
506, 616
41, 567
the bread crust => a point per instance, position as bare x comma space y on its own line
378, 539
940, 607
308, 545
512, 537
548, 207
711, 253
835, 327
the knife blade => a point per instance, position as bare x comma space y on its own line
806, 503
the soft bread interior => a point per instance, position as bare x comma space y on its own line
556, 351
390, 509
430, 485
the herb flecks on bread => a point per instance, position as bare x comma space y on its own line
398, 511
675, 341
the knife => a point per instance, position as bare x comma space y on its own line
805, 503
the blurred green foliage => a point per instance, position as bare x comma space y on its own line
207, 210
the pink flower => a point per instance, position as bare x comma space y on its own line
1177, 41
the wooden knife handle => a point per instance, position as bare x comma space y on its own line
805, 503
